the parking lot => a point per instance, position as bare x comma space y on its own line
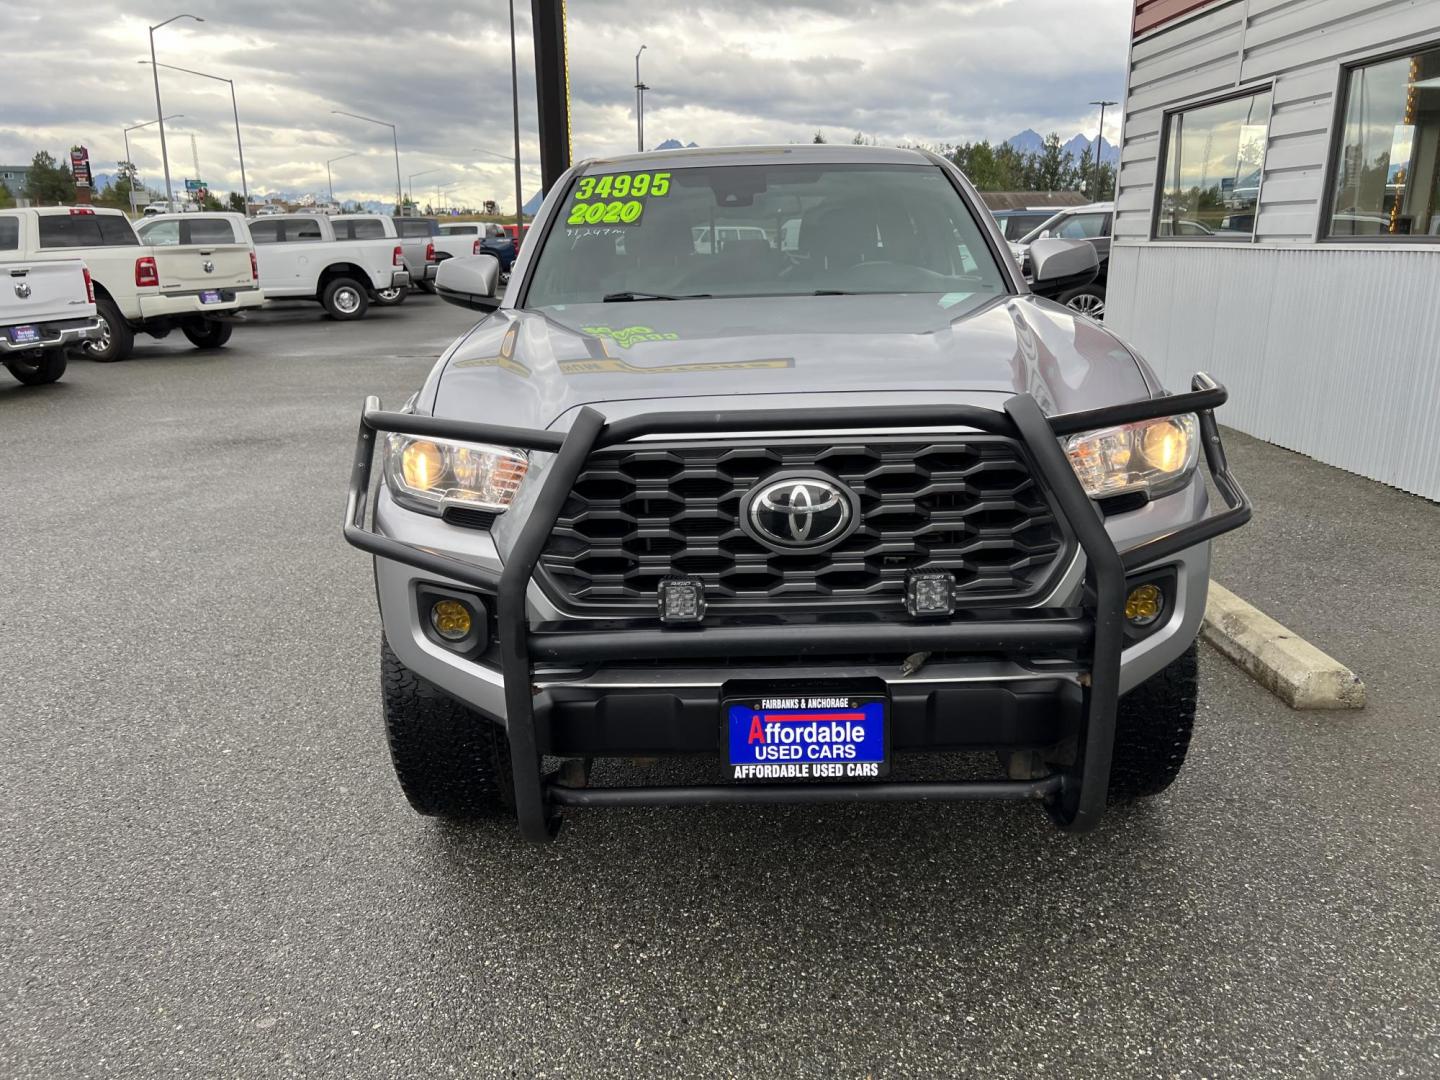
211, 872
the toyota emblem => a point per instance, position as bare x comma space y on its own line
799, 513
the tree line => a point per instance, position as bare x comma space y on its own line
1001, 167
51, 183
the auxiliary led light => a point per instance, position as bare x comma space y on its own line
681, 601
451, 619
1144, 605
930, 593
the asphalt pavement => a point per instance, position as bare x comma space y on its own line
208, 870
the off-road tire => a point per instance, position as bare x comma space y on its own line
118, 338
450, 761
339, 296
38, 368
207, 334
1152, 731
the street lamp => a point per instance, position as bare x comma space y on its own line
640, 89
235, 109
399, 193
329, 181
160, 112
125, 133
410, 186
1099, 139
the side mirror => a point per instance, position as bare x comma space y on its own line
470, 281
1059, 265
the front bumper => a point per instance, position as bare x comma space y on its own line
54, 335
1062, 674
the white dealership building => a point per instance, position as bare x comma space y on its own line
1278, 220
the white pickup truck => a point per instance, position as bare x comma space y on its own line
197, 290
302, 258
44, 308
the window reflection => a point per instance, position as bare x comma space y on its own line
1214, 159
1387, 180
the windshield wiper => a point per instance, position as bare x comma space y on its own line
625, 297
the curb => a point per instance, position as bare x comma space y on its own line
1289, 666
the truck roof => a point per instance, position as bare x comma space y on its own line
49, 210
796, 153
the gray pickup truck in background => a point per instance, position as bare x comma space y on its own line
812, 506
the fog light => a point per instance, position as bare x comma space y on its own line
930, 593
451, 619
681, 600
1144, 605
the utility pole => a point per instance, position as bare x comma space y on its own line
1099, 142
159, 111
640, 89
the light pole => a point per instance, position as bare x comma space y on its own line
160, 112
329, 181
125, 133
399, 192
515, 109
1099, 141
235, 109
410, 186
640, 89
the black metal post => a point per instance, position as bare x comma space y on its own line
552, 88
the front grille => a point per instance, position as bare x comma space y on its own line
640, 513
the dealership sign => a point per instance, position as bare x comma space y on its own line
80, 166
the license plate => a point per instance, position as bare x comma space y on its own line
210, 296
809, 736
24, 335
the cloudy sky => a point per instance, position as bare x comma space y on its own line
726, 72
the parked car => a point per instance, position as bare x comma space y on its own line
200, 291
373, 227
483, 237
417, 237
301, 258
45, 307
1016, 223
1090, 223
796, 513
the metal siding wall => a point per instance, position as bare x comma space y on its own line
1330, 351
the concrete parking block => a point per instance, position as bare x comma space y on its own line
1286, 664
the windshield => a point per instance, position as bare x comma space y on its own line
762, 230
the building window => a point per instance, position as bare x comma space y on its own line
1387, 175
1214, 158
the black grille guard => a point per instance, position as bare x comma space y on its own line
1074, 796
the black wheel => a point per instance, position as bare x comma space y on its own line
1152, 731
116, 338
39, 367
390, 297
451, 762
427, 287
207, 334
1088, 300
344, 299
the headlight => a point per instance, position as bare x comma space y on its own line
430, 474
1153, 456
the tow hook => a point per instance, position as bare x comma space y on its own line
913, 663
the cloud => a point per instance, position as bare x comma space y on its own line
726, 72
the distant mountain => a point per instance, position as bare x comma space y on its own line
1030, 141
675, 144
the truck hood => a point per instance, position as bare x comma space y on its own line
530, 368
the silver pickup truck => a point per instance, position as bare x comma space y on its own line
45, 307
814, 506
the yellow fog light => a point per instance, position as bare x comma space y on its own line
422, 464
451, 619
1144, 604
